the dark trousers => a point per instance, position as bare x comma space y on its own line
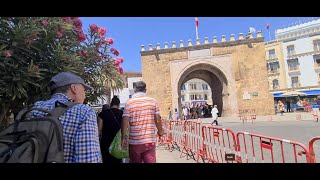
288, 108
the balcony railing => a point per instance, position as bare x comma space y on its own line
295, 85
275, 71
291, 53
272, 58
295, 68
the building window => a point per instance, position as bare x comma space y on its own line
272, 54
205, 97
183, 87
192, 97
200, 97
273, 67
275, 84
130, 96
316, 45
133, 85
204, 86
295, 82
293, 64
193, 86
291, 50
316, 59
182, 98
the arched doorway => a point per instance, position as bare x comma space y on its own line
214, 78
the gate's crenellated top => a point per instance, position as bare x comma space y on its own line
206, 42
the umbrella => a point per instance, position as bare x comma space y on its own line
293, 93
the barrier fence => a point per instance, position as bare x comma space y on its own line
246, 114
214, 144
255, 148
217, 142
314, 156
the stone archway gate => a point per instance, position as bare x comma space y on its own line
239, 64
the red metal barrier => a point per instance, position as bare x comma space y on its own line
311, 149
246, 114
217, 142
270, 149
194, 140
178, 134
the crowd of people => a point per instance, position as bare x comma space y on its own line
288, 105
193, 112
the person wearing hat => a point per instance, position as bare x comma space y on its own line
80, 129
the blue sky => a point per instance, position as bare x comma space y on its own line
129, 33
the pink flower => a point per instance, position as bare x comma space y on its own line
66, 19
120, 69
81, 37
7, 53
114, 51
77, 23
45, 23
116, 63
59, 34
94, 28
119, 59
102, 32
110, 41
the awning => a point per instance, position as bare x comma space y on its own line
277, 94
312, 92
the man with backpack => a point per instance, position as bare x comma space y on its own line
61, 129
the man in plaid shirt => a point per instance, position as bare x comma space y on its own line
80, 129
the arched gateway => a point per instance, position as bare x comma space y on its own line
235, 71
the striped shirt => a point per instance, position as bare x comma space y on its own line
80, 130
141, 111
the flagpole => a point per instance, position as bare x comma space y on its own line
197, 32
269, 35
197, 24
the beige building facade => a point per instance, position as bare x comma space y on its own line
234, 69
275, 66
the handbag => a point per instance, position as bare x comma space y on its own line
115, 148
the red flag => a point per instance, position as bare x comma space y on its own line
268, 26
197, 22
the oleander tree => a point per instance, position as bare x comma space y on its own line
34, 49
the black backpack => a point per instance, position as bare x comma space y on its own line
34, 139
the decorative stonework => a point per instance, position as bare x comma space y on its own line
229, 67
